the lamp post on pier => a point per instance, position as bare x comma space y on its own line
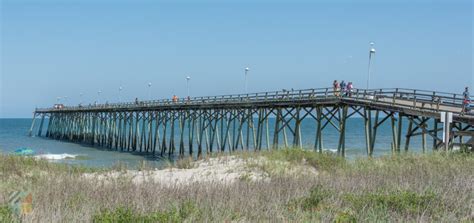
371, 51
80, 98
120, 90
98, 96
246, 71
149, 90
187, 84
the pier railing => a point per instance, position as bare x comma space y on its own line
413, 98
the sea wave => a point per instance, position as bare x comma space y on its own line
56, 156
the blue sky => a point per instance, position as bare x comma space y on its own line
53, 49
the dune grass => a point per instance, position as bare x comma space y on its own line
406, 187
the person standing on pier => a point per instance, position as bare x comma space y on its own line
335, 88
466, 107
343, 86
349, 89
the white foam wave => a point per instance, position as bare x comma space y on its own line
56, 156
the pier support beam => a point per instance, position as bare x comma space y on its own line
341, 149
40, 130
368, 130
408, 135
32, 125
394, 133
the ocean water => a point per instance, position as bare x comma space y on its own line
14, 135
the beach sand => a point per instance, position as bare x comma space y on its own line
223, 170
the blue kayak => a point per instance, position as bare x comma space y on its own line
24, 152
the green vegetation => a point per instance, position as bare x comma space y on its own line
184, 163
25, 164
313, 201
125, 215
408, 202
325, 161
6, 214
406, 187
346, 216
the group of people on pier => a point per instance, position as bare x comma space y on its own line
343, 88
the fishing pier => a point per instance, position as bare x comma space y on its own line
267, 120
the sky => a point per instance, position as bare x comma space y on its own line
54, 48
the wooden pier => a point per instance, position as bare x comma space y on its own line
202, 125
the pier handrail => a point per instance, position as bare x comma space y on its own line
251, 97
403, 97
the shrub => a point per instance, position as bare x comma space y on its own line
125, 214
188, 209
313, 201
6, 214
465, 149
346, 216
185, 163
245, 177
407, 202
118, 215
322, 161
